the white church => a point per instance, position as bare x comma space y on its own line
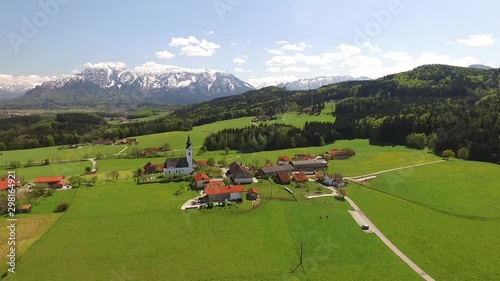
182, 165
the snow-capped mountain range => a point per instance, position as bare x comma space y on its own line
318, 82
115, 83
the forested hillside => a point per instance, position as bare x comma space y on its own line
450, 107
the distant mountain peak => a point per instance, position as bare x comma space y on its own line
318, 82
115, 82
480, 66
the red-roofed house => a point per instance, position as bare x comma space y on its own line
284, 160
4, 183
300, 177
153, 168
199, 180
202, 163
231, 193
283, 178
53, 182
252, 194
213, 183
336, 154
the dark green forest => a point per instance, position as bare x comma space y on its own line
452, 107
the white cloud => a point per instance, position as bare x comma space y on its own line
300, 69
242, 70
165, 55
154, 67
193, 47
281, 60
327, 67
374, 48
210, 32
240, 60
274, 69
296, 47
105, 64
478, 40
28, 81
274, 52
281, 42
397, 56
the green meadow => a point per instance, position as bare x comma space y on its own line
444, 216
140, 231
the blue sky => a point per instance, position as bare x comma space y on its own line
259, 41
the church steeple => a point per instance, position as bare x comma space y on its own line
188, 143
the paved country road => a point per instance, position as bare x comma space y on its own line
379, 233
387, 242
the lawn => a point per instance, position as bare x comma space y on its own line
440, 231
140, 231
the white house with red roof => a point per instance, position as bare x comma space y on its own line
56, 182
199, 180
231, 193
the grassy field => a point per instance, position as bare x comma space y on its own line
53, 153
451, 229
67, 169
141, 232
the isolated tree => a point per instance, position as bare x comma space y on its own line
29, 163
447, 154
226, 150
416, 141
342, 192
202, 150
114, 175
463, 153
88, 169
211, 162
75, 180
93, 180
166, 147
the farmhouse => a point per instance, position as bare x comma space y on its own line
284, 160
300, 177
4, 183
303, 156
213, 183
102, 142
231, 193
239, 174
252, 194
274, 170
182, 165
309, 166
283, 178
153, 168
336, 180
199, 180
56, 182
336, 154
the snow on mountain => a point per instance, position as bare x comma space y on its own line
15, 86
151, 80
318, 82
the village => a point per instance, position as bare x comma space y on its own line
227, 188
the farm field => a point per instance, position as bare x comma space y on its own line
451, 230
66, 169
141, 231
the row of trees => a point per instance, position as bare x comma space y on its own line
271, 137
